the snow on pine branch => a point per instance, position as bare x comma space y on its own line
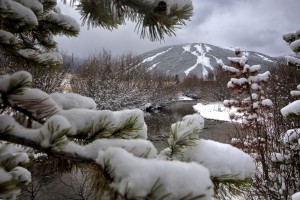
18, 13
155, 179
161, 179
222, 160
138, 147
295, 45
66, 23
291, 137
35, 101
241, 60
12, 176
34, 5
8, 38
71, 100
292, 109
106, 124
183, 135
171, 4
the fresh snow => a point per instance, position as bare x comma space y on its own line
18, 11
292, 60
295, 46
201, 59
296, 196
138, 177
158, 54
228, 48
264, 58
218, 60
222, 160
67, 22
207, 48
215, 111
292, 108
187, 48
153, 66
184, 98
7, 38
105, 120
72, 100
291, 136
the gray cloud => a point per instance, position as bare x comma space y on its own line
255, 25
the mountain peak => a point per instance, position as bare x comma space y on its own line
197, 58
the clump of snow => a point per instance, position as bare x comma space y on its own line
295, 93
277, 157
168, 179
7, 38
241, 60
267, 102
230, 69
295, 45
28, 53
18, 11
237, 81
264, 77
4, 176
191, 126
35, 101
292, 60
221, 159
296, 196
52, 57
52, 130
66, 22
138, 147
291, 109
72, 100
20, 78
34, 5
21, 174
255, 68
291, 136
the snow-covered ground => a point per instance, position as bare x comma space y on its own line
215, 111
185, 98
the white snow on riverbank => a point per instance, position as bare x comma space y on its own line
215, 111
185, 98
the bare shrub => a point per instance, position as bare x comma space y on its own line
122, 82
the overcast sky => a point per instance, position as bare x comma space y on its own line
255, 25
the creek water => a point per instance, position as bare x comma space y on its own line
159, 124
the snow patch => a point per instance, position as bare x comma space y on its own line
158, 54
215, 111
264, 58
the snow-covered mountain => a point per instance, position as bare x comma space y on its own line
197, 58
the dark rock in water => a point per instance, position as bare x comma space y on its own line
149, 107
193, 95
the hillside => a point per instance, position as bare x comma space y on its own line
196, 58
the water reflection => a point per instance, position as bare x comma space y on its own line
160, 123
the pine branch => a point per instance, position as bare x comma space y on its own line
49, 151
